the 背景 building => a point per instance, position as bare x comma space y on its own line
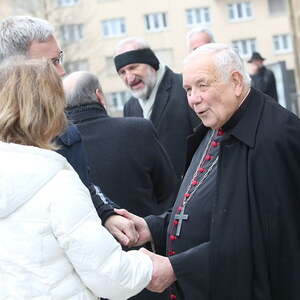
90, 29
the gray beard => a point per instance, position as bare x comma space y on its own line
143, 94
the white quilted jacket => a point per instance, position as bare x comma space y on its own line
53, 245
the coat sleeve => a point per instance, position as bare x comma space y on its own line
158, 227
192, 267
95, 255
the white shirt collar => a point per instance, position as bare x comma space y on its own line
147, 105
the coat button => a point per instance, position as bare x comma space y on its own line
201, 170
214, 144
220, 132
173, 237
173, 296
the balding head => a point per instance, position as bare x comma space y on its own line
198, 37
82, 88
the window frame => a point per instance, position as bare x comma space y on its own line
115, 27
198, 13
279, 38
71, 33
156, 22
244, 8
67, 3
248, 43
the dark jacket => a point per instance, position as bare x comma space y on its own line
72, 149
265, 81
126, 159
254, 247
171, 116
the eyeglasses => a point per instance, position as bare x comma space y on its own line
59, 59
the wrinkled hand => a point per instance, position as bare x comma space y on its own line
163, 274
140, 226
122, 229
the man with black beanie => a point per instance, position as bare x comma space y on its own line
157, 95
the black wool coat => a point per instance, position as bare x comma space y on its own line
173, 119
253, 252
126, 159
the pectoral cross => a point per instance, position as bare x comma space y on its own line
180, 217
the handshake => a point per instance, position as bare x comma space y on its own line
131, 231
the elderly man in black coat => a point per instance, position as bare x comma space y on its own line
234, 231
158, 96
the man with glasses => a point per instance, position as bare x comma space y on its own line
34, 38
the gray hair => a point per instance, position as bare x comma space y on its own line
81, 88
137, 42
18, 32
196, 30
226, 60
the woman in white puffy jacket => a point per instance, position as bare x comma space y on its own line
53, 245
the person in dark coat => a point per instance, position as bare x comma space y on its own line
125, 157
35, 38
234, 231
158, 96
262, 78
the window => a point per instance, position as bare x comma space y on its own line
67, 2
282, 43
277, 7
240, 11
117, 100
71, 32
245, 47
114, 27
77, 65
156, 21
198, 16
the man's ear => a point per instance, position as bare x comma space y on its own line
100, 97
237, 82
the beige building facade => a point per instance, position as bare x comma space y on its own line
90, 29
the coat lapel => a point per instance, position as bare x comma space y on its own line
162, 98
136, 109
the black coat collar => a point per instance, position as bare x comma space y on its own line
86, 112
243, 124
162, 97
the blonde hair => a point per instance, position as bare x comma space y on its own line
32, 103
